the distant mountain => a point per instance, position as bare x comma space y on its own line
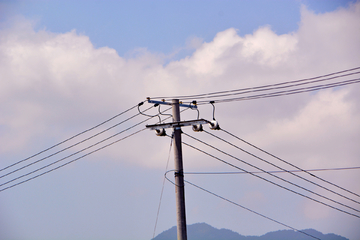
203, 231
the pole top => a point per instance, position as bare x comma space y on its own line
167, 103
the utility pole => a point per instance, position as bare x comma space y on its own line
179, 172
179, 175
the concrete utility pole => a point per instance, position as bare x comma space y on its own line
179, 172
179, 175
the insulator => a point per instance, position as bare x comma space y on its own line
197, 127
160, 132
214, 125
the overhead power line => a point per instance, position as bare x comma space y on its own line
248, 209
251, 165
68, 139
238, 205
98, 149
260, 89
276, 184
73, 154
73, 145
286, 171
287, 92
162, 189
290, 164
268, 87
87, 154
274, 165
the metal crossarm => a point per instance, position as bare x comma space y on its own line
177, 124
167, 103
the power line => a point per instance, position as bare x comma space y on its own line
286, 92
68, 139
248, 209
71, 161
62, 159
73, 145
286, 171
251, 165
293, 85
79, 152
274, 165
259, 214
162, 189
292, 165
259, 87
234, 166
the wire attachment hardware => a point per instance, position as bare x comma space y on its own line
160, 110
160, 132
214, 125
155, 105
212, 103
196, 127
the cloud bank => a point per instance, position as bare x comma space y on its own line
54, 85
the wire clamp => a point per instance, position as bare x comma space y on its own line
179, 174
214, 125
160, 132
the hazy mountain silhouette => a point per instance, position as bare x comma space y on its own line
203, 231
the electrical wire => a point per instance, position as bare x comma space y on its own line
274, 165
62, 159
73, 145
43, 173
292, 165
248, 209
162, 189
261, 87
251, 165
158, 115
284, 93
48, 165
68, 139
286, 171
293, 85
300, 194
80, 156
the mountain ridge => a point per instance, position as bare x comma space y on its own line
204, 231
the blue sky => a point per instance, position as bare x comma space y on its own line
162, 26
66, 66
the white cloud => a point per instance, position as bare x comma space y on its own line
263, 47
268, 48
59, 84
330, 36
58, 74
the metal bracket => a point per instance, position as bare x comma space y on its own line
167, 103
177, 124
179, 174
